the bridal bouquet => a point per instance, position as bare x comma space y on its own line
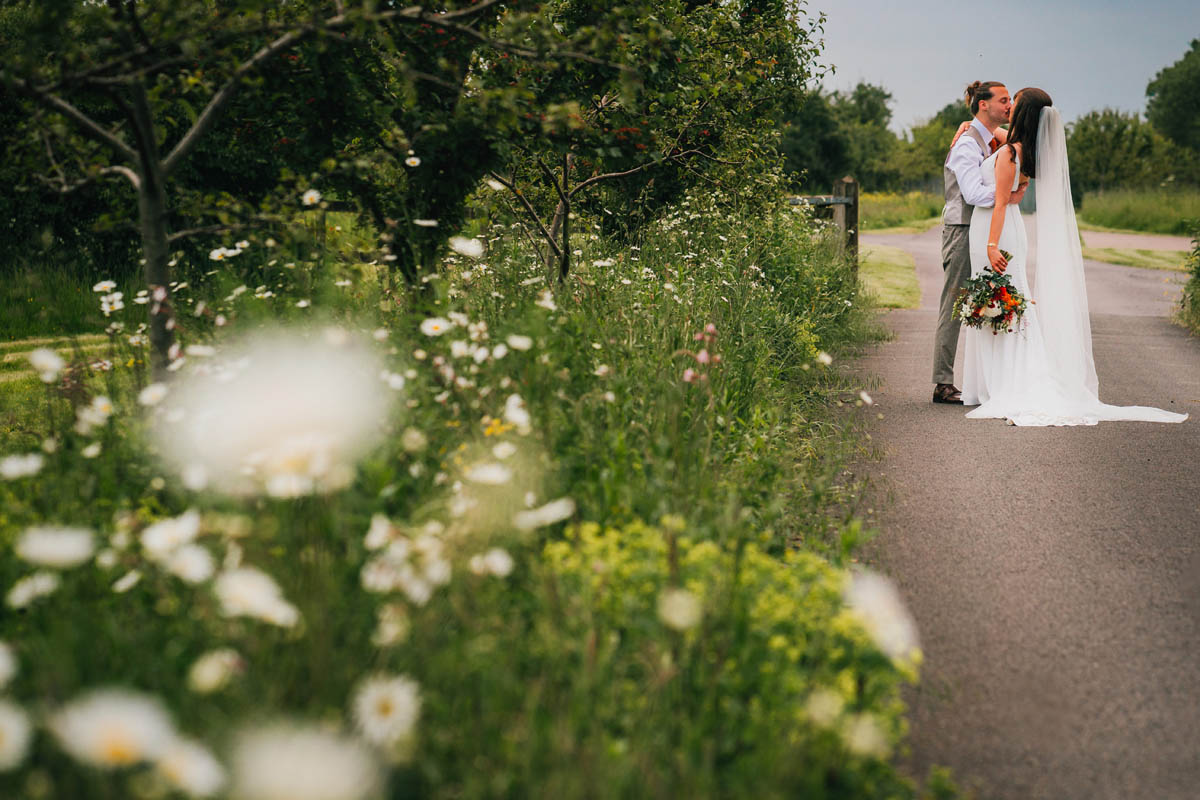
990, 300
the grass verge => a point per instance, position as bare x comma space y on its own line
1166, 210
889, 276
883, 210
1173, 260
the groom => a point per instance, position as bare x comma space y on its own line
990, 105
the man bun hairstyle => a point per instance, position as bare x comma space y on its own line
980, 90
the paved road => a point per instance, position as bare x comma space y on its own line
1054, 572
1135, 241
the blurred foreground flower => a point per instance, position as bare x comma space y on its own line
472, 248
60, 548
248, 592
877, 603
31, 587
8, 665
284, 416
113, 728
679, 609
282, 763
191, 768
212, 671
21, 466
552, 512
46, 363
15, 733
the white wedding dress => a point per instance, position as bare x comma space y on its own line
1043, 372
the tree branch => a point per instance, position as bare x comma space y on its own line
532, 212
88, 126
610, 175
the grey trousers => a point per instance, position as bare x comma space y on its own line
956, 264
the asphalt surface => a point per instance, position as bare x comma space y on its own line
1054, 573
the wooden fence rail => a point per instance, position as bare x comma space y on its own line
844, 205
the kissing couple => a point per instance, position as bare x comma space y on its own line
1043, 372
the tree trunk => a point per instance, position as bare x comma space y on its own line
152, 224
565, 266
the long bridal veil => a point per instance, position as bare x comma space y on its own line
1061, 294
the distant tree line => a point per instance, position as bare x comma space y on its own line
846, 133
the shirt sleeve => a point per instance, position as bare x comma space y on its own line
965, 162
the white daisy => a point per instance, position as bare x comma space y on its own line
679, 609
212, 671
425, 223
516, 414
435, 326
111, 728
248, 592
162, 538
60, 548
21, 466
46, 363
32, 587
191, 768
552, 512
191, 563
877, 603
15, 735
8, 665
311, 197
519, 342
412, 161
472, 248
127, 581
294, 763
386, 708
153, 394
392, 625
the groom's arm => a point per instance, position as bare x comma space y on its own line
965, 162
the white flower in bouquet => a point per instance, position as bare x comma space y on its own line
294, 763
212, 671
112, 728
877, 603
386, 709
15, 735
285, 416
992, 311
58, 548
191, 768
248, 592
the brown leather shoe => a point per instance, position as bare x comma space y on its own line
946, 393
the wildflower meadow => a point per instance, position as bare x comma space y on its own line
465, 504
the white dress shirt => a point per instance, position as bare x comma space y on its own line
966, 158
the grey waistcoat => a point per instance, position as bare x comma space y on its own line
958, 211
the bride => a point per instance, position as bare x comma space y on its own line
1043, 372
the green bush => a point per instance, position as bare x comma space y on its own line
1190, 303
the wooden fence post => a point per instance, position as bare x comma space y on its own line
846, 215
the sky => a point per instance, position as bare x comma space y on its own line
1087, 55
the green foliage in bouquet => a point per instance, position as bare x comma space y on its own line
989, 300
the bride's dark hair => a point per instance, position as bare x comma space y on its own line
1023, 127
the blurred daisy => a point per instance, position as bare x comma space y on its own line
824, 358
412, 161
59, 548
495, 562
8, 665
21, 466
212, 671
248, 592
32, 587
153, 394
46, 363
162, 538
391, 626
679, 609
823, 707
552, 512
311, 197
489, 474
864, 736
425, 223
435, 326
295, 763
386, 709
516, 414
112, 728
284, 416
546, 300
104, 286
875, 600
472, 248
191, 563
15, 735
191, 768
